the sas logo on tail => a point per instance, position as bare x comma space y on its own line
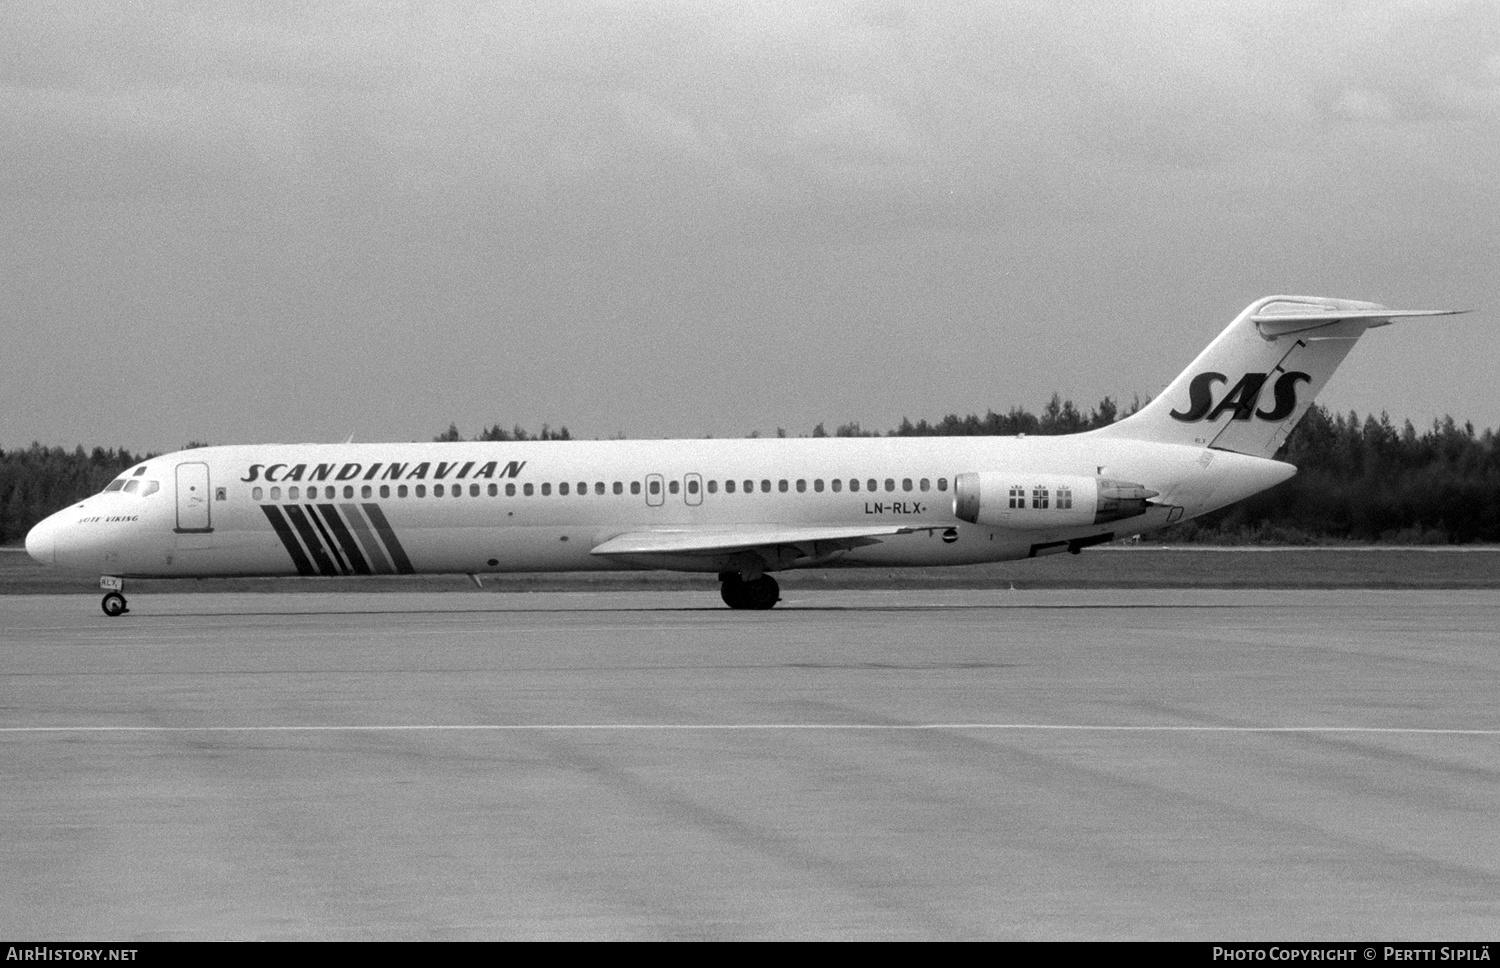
1241, 401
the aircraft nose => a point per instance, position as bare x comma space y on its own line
41, 542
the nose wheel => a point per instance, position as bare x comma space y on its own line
114, 604
757, 593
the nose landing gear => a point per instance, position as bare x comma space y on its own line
757, 593
114, 601
114, 604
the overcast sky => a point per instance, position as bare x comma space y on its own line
259, 221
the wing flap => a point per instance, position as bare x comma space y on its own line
715, 541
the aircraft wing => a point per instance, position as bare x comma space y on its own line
776, 544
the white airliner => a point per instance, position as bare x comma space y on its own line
738, 508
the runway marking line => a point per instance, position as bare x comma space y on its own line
750, 727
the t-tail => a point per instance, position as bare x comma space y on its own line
1249, 388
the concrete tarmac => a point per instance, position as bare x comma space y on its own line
1218, 765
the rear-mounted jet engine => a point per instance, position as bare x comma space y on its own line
1002, 500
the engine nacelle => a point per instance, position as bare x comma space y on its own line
1037, 501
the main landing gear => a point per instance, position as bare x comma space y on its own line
759, 593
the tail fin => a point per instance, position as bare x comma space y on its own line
1247, 391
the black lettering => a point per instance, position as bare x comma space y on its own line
419, 472
513, 469
321, 472
443, 468
271, 470
465, 472
1200, 397
295, 474
254, 473
374, 469
1286, 396
393, 472
348, 472
1241, 399
488, 470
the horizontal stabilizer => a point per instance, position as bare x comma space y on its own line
1281, 319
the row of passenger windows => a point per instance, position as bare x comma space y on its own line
652, 486
1040, 497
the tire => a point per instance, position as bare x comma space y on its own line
114, 605
762, 593
732, 590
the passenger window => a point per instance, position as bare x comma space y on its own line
890, 483
561, 489
781, 485
583, 488
474, 490
1039, 497
348, 490
275, 491
872, 485
598, 487
385, 490
1018, 497
713, 487
546, 490
510, 490
1064, 498
291, 493
673, 486
749, 486
692, 487
493, 490
618, 488
924, 484
765, 486
729, 487
853, 484
654, 487
364, 491
421, 490
906, 484
527, 490
635, 487
818, 485
837, 484
801, 486
401, 490
437, 490
942, 483
255, 493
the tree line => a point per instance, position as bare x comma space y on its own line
1361, 480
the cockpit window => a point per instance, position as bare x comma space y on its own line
132, 486
139, 471
151, 488
115, 485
